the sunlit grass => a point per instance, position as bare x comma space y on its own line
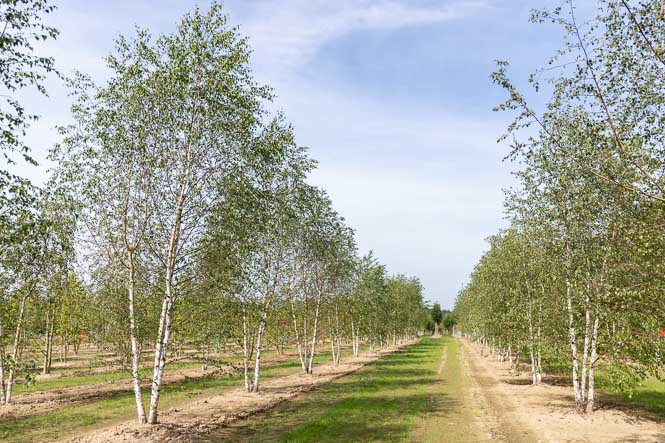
388, 400
120, 407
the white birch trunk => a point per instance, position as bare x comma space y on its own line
245, 349
3, 391
159, 364
259, 346
585, 351
333, 348
353, 338
356, 350
314, 334
338, 335
573, 344
136, 380
305, 337
49, 340
299, 344
15, 349
592, 364
164, 331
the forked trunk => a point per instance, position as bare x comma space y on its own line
164, 331
259, 346
136, 381
314, 335
161, 348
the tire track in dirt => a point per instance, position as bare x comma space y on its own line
499, 420
545, 412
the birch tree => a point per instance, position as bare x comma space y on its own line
178, 109
592, 168
325, 251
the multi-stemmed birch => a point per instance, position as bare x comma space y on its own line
591, 173
324, 254
178, 109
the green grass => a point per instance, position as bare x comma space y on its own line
120, 407
67, 381
648, 395
400, 397
80, 380
455, 421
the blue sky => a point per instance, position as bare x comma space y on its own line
392, 96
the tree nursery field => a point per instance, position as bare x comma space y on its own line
178, 273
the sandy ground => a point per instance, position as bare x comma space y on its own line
545, 412
494, 413
494, 405
191, 421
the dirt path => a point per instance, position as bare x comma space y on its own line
545, 412
194, 420
471, 414
501, 421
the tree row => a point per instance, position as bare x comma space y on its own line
178, 219
576, 282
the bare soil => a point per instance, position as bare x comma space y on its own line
494, 405
194, 420
495, 413
40, 402
545, 412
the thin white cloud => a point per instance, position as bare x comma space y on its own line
420, 185
424, 226
286, 34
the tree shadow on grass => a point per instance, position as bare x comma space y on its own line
398, 379
381, 402
649, 405
397, 363
337, 418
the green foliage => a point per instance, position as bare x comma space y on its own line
21, 68
184, 205
437, 315
579, 273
